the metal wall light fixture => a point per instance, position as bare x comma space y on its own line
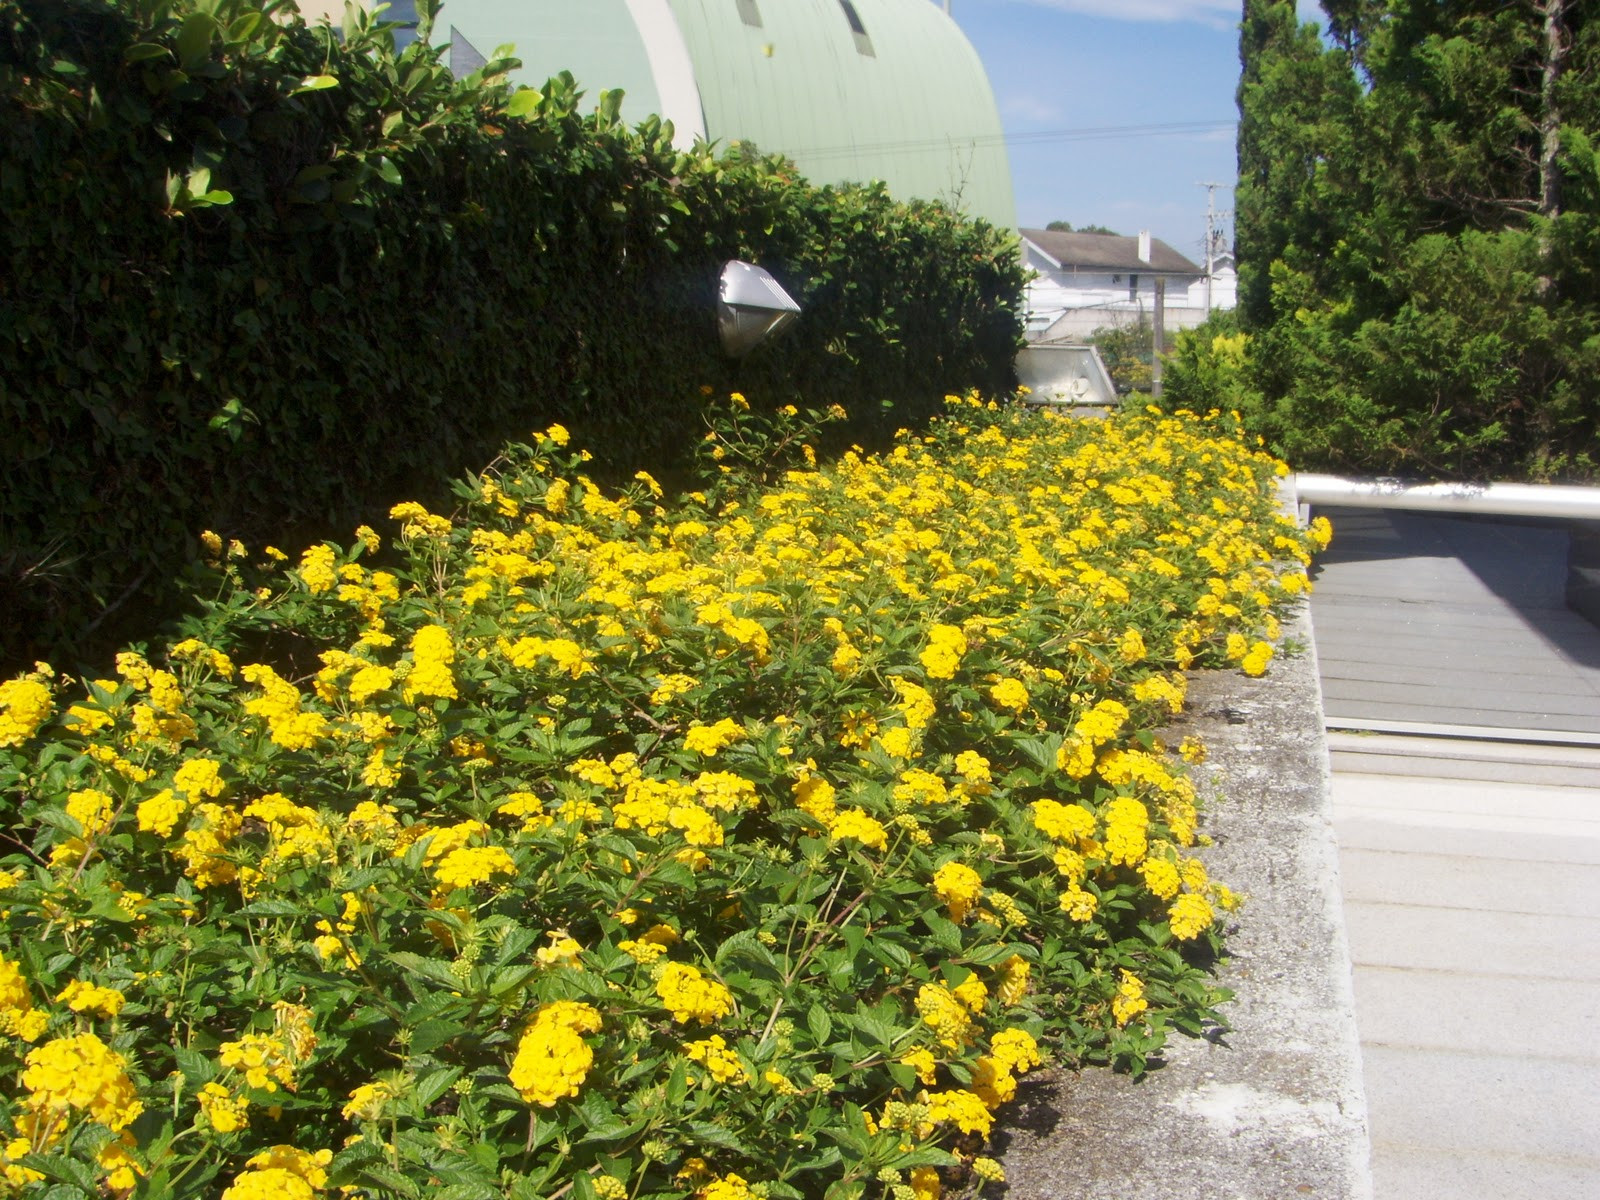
751, 307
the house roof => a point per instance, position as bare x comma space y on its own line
1108, 252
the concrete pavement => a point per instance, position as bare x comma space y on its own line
1470, 863
1471, 914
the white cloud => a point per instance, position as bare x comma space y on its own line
1028, 107
1219, 14
1216, 13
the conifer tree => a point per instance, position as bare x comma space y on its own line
1418, 221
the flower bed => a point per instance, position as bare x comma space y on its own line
585, 844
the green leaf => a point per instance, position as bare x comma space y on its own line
615, 1131
430, 1035
194, 39
715, 1135
746, 944
677, 1084
987, 956
76, 1177
524, 102
274, 908
819, 1024
316, 83
946, 933
434, 969
516, 943
924, 1156
106, 908
435, 1084
243, 27
198, 1069
890, 953
386, 1177
144, 52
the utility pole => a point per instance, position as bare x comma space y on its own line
1213, 233
1158, 337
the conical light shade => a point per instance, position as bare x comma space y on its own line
751, 308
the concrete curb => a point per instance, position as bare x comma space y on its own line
1274, 1108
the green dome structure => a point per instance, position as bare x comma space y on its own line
851, 90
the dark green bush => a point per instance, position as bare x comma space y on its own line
265, 280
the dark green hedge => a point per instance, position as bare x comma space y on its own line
266, 280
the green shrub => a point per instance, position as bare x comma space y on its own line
262, 279
1205, 368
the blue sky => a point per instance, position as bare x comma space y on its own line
1061, 67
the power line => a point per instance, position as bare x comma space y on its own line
1035, 137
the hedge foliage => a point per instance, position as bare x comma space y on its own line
592, 843
262, 278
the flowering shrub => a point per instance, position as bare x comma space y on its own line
261, 174
579, 843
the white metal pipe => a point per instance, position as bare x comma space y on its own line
1492, 499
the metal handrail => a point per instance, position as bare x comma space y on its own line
1492, 499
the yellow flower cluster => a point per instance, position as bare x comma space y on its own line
552, 1058
1010, 694
265, 1060
367, 1102
280, 706
566, 654
295, 834
942, 655
1094, 729
1190, 916
432, 652
205, 849
316, 569
963, 1109
722, 1063
418, 522
18, 1017
1070, 823
711, 739
854, 823
281, 1173
226, 1111
944, 1013
472, 865
959, 886
1160, 877
1129, 1001
1012, 981
916, 703
729, 1187
25, 704
644, 950
1126, 823
690, 996
91, 998
92, 809
193, 650
80, 1074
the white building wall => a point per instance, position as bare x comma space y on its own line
1069, 305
